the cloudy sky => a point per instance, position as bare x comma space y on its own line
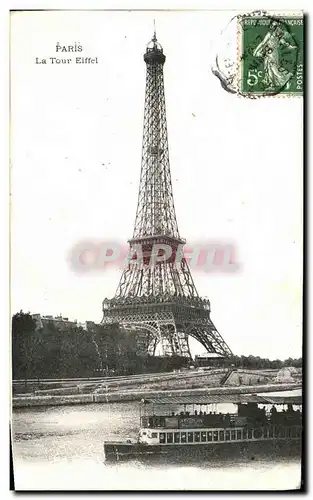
76, 133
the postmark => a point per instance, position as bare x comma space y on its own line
261, 54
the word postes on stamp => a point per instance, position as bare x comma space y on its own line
271, 55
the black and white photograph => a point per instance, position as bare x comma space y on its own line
156, 250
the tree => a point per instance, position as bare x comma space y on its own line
23, 345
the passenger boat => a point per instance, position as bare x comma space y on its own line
262, 425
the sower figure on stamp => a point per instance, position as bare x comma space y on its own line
276, 76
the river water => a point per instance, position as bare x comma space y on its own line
61, 448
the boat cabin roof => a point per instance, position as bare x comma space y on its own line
226, 398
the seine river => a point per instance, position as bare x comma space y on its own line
60, 448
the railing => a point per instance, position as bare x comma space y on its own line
226, 376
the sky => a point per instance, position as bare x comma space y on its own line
76, 133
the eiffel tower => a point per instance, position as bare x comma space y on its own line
159, 302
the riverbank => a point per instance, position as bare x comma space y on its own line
129, 396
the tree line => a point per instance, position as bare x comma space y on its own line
256, 362
50, 352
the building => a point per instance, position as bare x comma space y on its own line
60, 322
211, 360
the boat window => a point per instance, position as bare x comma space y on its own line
183, 437
190, 437
289, 432
270, 432
238, 434
298, 431
249, 433
162, 437
244, 434
227, 435
215, 436
154, 434
233, 435
203, 436
283, 432
265, 432
197, 437
222, 437
209, 436
176, 437
169, 437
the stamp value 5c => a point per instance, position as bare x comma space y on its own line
271, 55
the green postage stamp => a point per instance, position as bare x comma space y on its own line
271, 55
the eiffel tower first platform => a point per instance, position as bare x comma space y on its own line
159, 302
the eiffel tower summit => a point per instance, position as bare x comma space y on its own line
157, 299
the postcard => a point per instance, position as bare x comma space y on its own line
156, 249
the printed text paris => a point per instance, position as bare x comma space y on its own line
76, 47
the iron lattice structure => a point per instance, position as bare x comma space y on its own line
160, 302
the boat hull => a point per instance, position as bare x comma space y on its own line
115, 452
